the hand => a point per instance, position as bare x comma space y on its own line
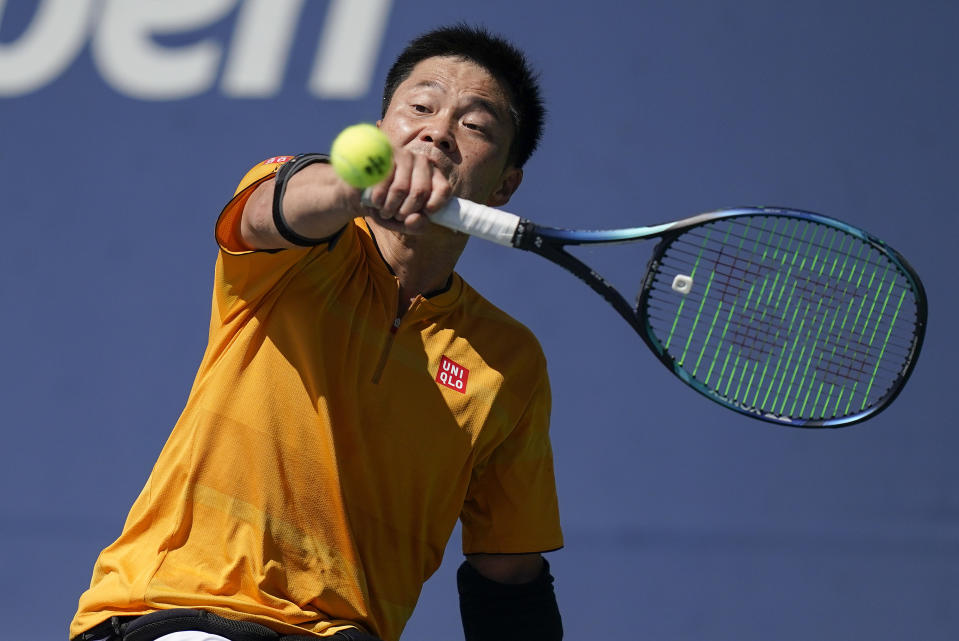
404, 199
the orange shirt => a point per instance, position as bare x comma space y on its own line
324, 454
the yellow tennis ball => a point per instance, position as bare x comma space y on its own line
362, 155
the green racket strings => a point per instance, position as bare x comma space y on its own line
783, 316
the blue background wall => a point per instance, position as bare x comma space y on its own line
683, 521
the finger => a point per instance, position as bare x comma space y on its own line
416, 224
421, 185
440, 193
399, 187
375, 196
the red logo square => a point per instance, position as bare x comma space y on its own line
452, 375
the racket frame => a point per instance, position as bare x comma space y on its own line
549, 242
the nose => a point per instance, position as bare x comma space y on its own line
439, 132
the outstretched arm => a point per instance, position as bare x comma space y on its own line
316, 203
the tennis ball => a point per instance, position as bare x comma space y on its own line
362, 155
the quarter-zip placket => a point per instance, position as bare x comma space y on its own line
391, 336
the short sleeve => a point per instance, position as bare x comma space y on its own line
228, 224
511, 505
244, 277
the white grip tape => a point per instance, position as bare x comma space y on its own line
471, 218
477, 220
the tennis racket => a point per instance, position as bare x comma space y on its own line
782, 315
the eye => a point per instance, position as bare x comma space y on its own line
475, 127
422, 109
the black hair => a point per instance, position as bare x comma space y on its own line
500, 58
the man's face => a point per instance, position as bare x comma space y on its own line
455, 113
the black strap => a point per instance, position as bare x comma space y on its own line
279, 188
156, 624
105, 631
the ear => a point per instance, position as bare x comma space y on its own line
509, 183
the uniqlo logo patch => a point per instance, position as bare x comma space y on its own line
452, 375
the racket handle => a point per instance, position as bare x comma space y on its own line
471, 218
477, 220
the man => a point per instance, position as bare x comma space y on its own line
356, 397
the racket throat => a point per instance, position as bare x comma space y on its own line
525, 236
538, 244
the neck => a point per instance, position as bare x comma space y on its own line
423, 262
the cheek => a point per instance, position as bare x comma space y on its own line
476, 182
485, 168
397, 129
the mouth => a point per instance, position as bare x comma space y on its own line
437, 158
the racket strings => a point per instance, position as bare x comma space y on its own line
757, 338
766, 322
778, 231
786, 317
835, 365
818, 261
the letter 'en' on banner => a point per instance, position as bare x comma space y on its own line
131, 61
349, 22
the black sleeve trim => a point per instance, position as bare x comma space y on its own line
279, 189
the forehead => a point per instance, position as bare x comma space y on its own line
457, 77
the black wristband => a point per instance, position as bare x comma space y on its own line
279, 188
508, 612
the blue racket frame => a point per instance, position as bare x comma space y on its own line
549, 242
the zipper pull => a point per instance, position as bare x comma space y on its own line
388, 345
